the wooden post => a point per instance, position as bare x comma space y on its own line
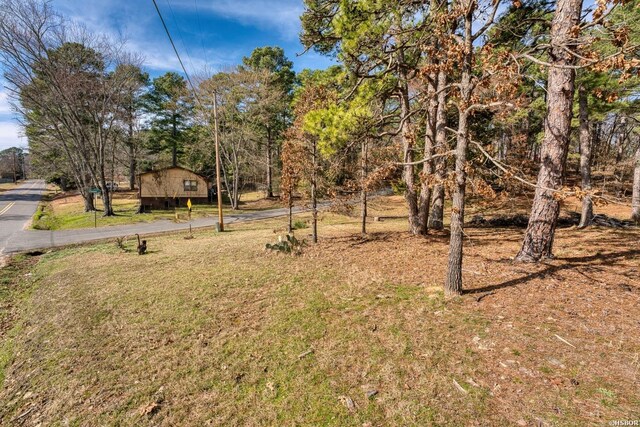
218, 181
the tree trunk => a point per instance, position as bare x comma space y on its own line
290, 213
424, 199
620, 141
314, 201
269, 190
363, 187
15, 168
133, 165
538, 239
501, 147
87, 197
408, 169
437, 196
82, 180
106, 196
235, 202
230, 178
635, 198
622, 148
585, 157
595, 146
453, 283
609, 141
132, 157
174, 142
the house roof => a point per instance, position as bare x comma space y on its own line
173, 167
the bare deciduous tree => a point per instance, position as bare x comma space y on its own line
62, 77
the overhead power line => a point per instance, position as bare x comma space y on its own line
215, 119
166, 29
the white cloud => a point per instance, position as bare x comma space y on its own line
10, 130
11, 135
282, 16
160, 56
138, 25
5, 107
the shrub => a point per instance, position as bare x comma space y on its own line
289, 245
299, 224
39, 213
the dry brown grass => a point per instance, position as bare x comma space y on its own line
214, 331
6, 186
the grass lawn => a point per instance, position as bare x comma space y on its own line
216, 331
66, 211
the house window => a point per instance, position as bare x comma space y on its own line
190, 185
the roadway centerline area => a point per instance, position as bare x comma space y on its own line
6, 208
17, 207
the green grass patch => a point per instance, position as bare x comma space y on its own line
299, 224
68, 213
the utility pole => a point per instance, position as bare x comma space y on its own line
218, 181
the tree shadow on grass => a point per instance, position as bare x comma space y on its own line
387, 236
608, 259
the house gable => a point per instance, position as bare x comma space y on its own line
172, 183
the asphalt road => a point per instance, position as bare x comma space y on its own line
16, 209
20, 240
18, 206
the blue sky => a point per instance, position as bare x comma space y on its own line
210, 35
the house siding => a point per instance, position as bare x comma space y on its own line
164, 189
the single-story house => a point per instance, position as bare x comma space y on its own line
171, 187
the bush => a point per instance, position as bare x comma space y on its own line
39, 213
398, 187
287, 245
299, 224
42, 219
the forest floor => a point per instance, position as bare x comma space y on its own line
64, 211
354, 332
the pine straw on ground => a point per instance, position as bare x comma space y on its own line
562, 338
216, 331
